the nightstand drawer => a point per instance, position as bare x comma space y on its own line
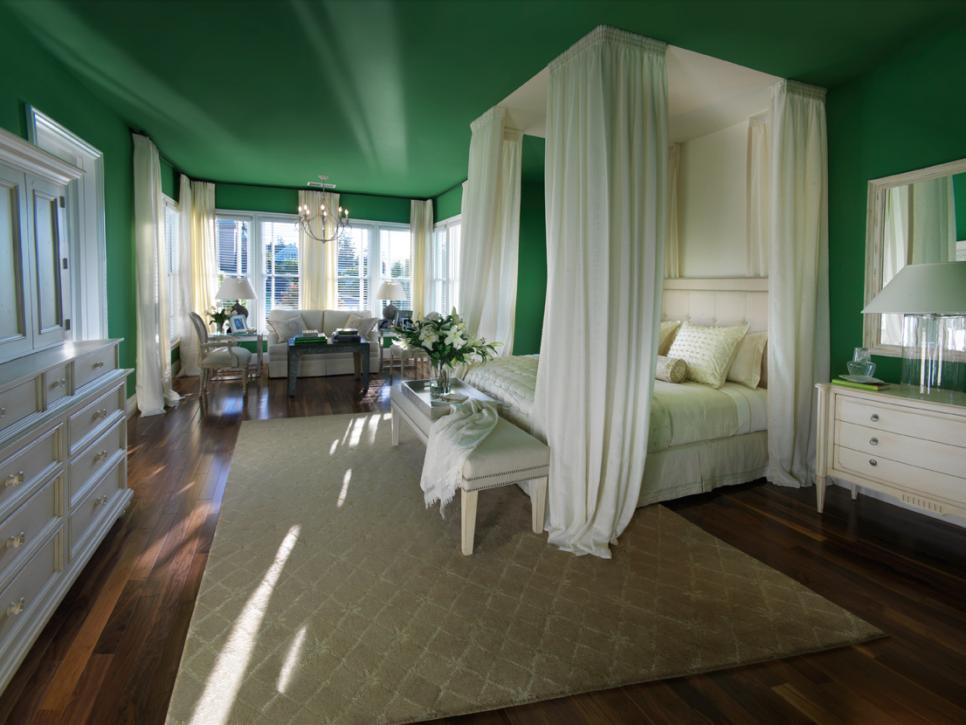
905, 421
905, 449
900, 475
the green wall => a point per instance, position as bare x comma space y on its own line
285, 200
448, 204
532, 270
905, 114
41, 81
959, 195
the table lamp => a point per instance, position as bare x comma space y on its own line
390, 290
932, 299
238, 289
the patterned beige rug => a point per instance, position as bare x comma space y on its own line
332, 595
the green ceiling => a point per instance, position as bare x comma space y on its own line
380, 94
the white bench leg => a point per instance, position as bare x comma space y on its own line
468, 520
394, 427
538, 504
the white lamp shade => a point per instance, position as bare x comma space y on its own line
924, 289
235, 288
390, 291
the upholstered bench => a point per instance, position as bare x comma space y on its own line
508, 455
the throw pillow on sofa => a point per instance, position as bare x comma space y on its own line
285, 327
363, 323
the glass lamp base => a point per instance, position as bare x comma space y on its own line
934, 352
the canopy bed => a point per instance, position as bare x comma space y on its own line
618, 439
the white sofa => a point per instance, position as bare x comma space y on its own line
314, 365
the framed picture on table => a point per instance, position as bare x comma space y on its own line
238, 324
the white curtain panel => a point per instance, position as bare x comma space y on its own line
672, 249
317, 260
490, 239
895, 253
606, 179
199, 270
757, 196
153, 351
421, 233
933, 236
798, 315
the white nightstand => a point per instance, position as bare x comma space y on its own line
896, 441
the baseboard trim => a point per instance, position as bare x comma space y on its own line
131, 406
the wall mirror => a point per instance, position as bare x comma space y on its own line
912, 218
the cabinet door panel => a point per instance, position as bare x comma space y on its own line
14, 277
48, 236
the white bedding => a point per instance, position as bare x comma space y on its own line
681, 413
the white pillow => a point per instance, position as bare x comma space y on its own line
286, 327
671, 369
668, 328
361, 322
746, 369
708, 351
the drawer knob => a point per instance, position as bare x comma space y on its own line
98, 414
14, 479
873, 462
873, 441
98, 364
16, 607
3, 412
99, 456
874, 417
15, 542
59, 383
100, 501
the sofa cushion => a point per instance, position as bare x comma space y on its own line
283, 324
334, 319
363, 322
312, 319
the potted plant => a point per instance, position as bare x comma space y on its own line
446, 342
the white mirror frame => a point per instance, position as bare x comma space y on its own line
874, 228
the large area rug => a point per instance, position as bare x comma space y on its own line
332, 595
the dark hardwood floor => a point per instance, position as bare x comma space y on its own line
110, 653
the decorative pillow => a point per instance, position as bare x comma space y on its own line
746, 369
361, 322
285, 328
668, 328
708, 351
671, 369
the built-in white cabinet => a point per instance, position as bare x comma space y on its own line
34, 259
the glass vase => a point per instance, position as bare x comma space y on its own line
440, 384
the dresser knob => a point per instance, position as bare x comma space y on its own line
98, 457
873, 462
100, 501
98, 364
874, 418
15, 542
873, 441
14, 479
3, 412
16, 607
59, 383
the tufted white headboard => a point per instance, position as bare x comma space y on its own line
718, 301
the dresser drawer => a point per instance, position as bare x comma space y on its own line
906, 421
55, 384
26, 591
17, 403
89, 512
25, 525
920, 481
916, 452
96, 458
93, 365
94, 417
27, 465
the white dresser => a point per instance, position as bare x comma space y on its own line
896, 441
63, 479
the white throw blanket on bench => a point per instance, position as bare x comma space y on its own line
452, 439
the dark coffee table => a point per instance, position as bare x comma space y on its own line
359, 350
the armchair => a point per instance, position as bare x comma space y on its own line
217, 356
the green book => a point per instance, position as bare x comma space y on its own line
859, 386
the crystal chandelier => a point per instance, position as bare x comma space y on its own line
308, 215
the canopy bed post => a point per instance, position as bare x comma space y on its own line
606, 176
798, 349
491, 230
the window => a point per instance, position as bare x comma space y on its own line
352, 276
280, 252
172, 267
445, 266
368, 254
232, 235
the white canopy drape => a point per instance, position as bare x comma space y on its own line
606, 177
317, 260
421, 232
153, 352
798, 324
491, 230
197, 202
